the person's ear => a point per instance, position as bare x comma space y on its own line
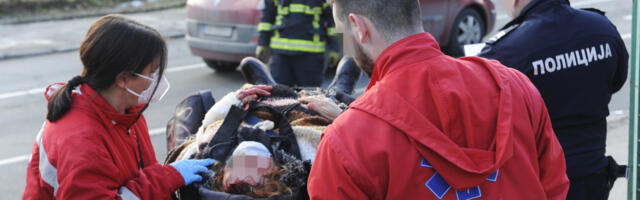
359, 27
121, 80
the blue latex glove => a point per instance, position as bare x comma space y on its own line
189, 169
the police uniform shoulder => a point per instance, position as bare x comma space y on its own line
504, 32
594, 10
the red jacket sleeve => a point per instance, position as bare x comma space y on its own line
34, 188
332, 175
553, 169
91, 174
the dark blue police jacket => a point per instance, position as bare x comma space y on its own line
577, 60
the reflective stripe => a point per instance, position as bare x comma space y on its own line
283, 10
331, 31
126, 194
48, 172
316, 21
297, 8
264, 26
325, 5
279, 20
297, 45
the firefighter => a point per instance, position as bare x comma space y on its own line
297, 33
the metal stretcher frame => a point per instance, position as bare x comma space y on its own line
632, 176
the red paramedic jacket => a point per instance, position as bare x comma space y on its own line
430, 126
89, 154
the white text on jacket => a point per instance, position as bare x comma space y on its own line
571, 59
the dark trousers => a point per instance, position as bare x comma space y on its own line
594, 186
304, 70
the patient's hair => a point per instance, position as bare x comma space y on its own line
270, 187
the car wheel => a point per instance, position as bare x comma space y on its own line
468, 28
221, 66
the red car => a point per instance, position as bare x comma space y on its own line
223, 32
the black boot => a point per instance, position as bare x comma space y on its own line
347, 74
256, 72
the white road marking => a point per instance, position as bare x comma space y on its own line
156, 131
22, 93
12, 160
185, 67
25, 158
33, 91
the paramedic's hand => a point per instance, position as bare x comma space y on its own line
333, 59
189, 169
252, 93
262, 53
322, 105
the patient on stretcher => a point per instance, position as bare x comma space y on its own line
265, 147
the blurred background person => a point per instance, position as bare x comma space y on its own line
297, 34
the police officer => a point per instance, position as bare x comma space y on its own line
298, 33
577, 60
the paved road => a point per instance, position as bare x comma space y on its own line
23, 105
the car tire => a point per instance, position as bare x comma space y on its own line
468, 28
221, 66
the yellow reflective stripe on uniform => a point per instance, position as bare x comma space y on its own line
301, 8
331, 31
264, 26
283, 10
297, 8
297, 45
314, 11
316, 21
325, 5
316, 38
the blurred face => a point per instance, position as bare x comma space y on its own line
351, 46
246, 169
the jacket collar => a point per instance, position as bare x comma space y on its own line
533, 7
405, 51
105, 110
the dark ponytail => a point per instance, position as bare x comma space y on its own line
60, 100
113, 45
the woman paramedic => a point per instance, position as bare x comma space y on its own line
95, 142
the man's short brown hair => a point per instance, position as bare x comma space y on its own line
391, 17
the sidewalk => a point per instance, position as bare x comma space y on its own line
41, 38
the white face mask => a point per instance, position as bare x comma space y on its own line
145, 95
